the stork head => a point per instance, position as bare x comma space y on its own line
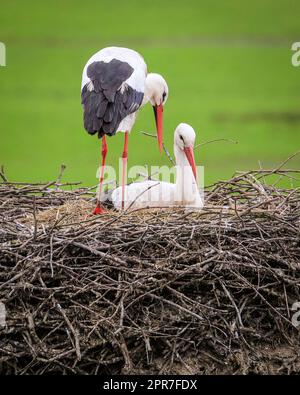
184, 140
157, 92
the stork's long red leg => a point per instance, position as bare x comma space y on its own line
99, 209
124, 167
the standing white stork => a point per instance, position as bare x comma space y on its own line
153, 193
115, 84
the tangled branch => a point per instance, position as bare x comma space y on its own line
161, 291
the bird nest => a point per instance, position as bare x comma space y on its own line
150, 291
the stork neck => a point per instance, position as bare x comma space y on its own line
148, 91
186, 186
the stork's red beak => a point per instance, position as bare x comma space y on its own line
189, 152
158, 112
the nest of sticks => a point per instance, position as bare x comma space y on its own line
151, 291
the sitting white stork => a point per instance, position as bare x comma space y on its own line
153, 193
115, 84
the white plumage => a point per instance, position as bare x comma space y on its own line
151, 193
152, 86
114, 86
133, 58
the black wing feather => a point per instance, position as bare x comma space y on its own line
105, 106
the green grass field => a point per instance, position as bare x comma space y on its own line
227, 63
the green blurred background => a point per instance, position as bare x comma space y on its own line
227, 63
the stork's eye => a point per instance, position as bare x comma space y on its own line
181, 138
164, 96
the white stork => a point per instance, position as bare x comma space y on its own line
115, 84
153, 193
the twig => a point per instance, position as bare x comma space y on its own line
216, 140
73, 331
62, 169
2, 174
164, 147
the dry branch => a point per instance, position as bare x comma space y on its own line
160, 291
